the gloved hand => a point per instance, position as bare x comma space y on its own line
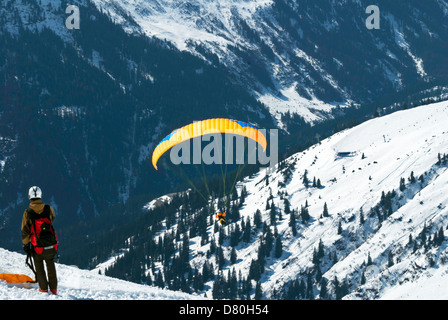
27, 248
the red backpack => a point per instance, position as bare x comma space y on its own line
42, 233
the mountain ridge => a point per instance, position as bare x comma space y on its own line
295, 56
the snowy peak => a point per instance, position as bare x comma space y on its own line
303, 57
187, 22
300, 57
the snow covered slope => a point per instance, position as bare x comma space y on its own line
382, 151
76, 284
385, 186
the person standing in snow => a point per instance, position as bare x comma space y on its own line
39, 239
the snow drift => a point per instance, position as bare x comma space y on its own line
77, 284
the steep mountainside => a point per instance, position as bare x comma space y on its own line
363, 214
304, 57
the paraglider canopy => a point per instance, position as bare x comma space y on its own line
197, 131
204, 127
16, 278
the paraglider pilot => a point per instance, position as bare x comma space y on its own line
220, 216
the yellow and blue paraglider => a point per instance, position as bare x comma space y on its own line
206, 127
209, 126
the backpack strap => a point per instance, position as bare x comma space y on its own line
32, 215
46, 211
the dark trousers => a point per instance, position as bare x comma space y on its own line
41, 277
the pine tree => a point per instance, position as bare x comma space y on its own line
320, 250
246, 231
232, 284
159, 280
412, 178
343, 290
243, 195
339, 227
402, 184
335, 258
254, 270
269, 242
340, 289
361, 216
390, 259
315, 259
198, 282
302, 289
411, 241
278, 247
421, 179
305, 179
220, 260
221, 236
212, 249
218, 290
325, 213
336, 286
257, 219
233, 256
369, 259
246, 289
309, 294
439, 237
273, 214
318, 273
287, 206
235, 213
423, 234
235, 235
292, 223
323, 289
304, 213
258, 292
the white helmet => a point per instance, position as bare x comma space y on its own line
34, 193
